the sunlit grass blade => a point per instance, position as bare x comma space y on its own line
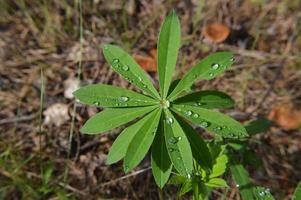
177, 145
212, 121
199, 148
208, 68
207, 99
112, 118
160, 161
168, 48
127, 67
142, 141
120, 145
111, 96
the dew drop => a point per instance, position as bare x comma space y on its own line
139, 78
96, 103
169, 120
188, 112
232, 59
237, 185
123, 99
195, 115
189, 176
179, 138
218, 128
204, 124
261, 194
172, 140
215, 66
115, 61
125, 68
211, 74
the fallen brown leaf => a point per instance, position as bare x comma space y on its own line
148, 63
286, 116
216, 32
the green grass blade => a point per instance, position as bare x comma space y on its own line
297, 193
112, 118
212, 121
120, 145
242, 180
168, 48
199, 148
177, 145
161, 164
142, 141
111, 96
207, 99
127, 67
208, 68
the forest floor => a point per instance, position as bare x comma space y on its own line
41, 56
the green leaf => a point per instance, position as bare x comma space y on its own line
161, 164
208, 68
177, 145
212, 121
177, 180
207, 99
216, 182
142, 141
242, 180
297, 193
120, 145
111, 96
220, 166
112, 118
127, 67
186, 187
258, 126
199, 148
168, 48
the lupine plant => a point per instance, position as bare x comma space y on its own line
163, 122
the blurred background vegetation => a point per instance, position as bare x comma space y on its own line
48, 48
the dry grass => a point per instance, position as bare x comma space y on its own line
37, 35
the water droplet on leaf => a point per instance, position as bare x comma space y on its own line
123, 99
204, 124
195, 115
125, 68
169, 120
215, 66
188, 113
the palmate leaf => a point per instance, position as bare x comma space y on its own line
212, 121
168, 48
112, 118
177, 145
142, 141
199, 148
112, 96
207, 99
120, 145
160, 161
127, 67
208, 68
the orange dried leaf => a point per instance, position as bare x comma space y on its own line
216, 32
286, 116
148, 63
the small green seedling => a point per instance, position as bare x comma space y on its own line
162, 118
